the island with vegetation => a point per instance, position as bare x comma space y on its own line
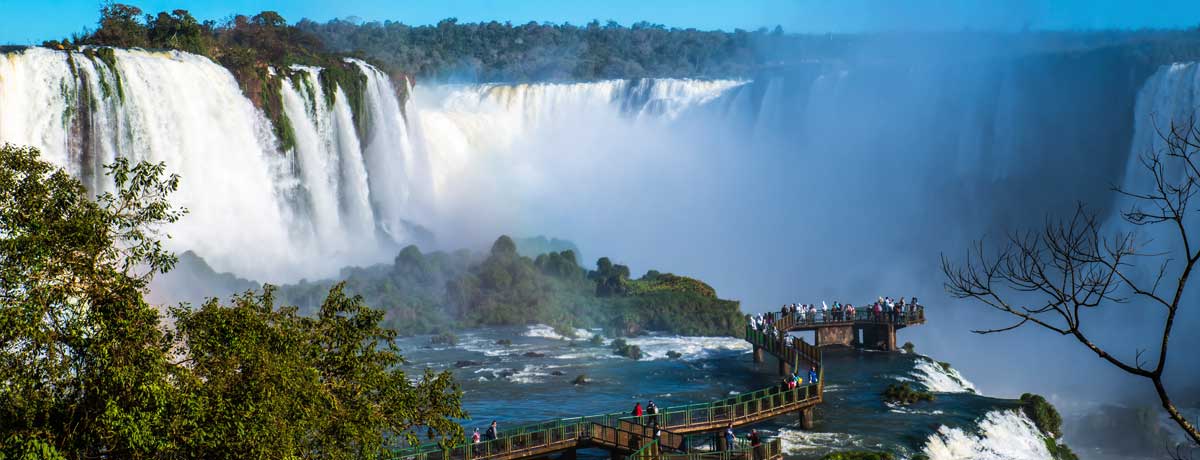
439, 292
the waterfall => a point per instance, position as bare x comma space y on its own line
340, 195
582, 160
169, 107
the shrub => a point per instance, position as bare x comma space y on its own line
903, 393
1043, 414
622, 348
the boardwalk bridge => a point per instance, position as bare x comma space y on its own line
671, 433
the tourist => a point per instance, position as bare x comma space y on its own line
756, 443
492, 432
812, 374
637, 409
729, 437
824, 312
475, 436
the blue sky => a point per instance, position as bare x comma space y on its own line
31, 21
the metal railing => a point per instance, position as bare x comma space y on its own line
650, 451
909, 315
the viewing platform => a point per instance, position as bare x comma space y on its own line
866, 329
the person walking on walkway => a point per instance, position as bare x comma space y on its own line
729, 437
756, 443
812, 374
637, 409
492, 432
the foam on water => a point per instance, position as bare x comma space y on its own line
799, 442
692, 348
1002, 435
935, 378
547, 332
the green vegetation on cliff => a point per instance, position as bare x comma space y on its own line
246, 45
1049, 422
428, 293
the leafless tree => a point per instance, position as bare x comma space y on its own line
1072, 266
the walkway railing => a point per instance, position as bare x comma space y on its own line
861, 316
795, 352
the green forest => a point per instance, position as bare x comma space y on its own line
439, 292
506, 52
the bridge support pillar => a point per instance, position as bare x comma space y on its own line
834, 335
758, 354
881, 337
785, 368
806, 419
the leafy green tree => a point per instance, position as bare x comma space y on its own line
267, 382
120, 26
177, 30
92, 371
84, 359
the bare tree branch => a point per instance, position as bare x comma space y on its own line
1071, 267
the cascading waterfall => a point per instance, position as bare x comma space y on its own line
169, 107
327, 152
388, 154
341, 196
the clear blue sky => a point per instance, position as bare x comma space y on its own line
31, 21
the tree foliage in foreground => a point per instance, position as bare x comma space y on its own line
90, 370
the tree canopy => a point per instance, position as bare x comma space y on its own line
91, 370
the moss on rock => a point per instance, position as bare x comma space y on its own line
903, 393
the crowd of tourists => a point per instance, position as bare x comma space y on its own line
884, 309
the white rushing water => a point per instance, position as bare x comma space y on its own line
176, 108
343, 195
1001, 435
938, 379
